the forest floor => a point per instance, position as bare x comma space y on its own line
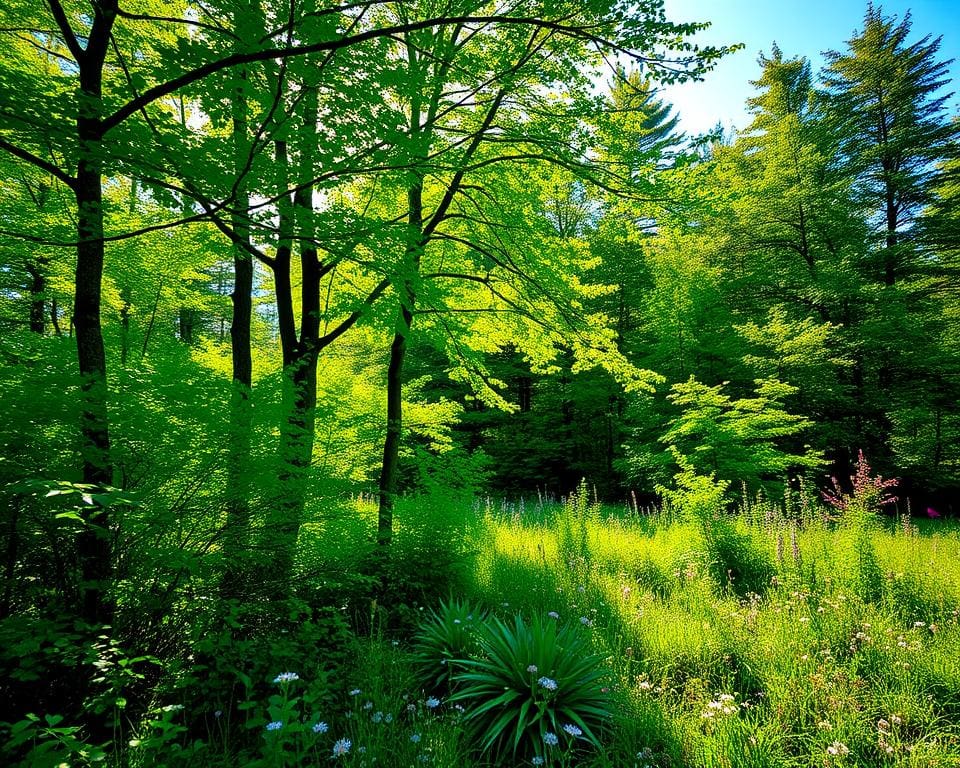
777, 643
576, 634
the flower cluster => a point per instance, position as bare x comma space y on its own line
547, 683
724, 704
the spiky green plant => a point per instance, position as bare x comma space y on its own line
536, 686
443, 638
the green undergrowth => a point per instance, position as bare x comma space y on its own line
845, 653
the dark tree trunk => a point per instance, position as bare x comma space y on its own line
38, 285
389, 474
125, 325
94, 541
187, 322
237, 531
300, 355
11, 555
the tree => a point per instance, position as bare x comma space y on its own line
885, 95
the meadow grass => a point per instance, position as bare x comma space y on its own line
808, 673
847, 654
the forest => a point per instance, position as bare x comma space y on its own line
395, 382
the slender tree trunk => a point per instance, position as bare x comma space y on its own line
37, 302
11, 555
55, 317
124, 325
300, 355
398, 350
94, 541
237, 532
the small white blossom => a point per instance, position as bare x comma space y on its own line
276, 725
547, 683
341, 747
838, 748
550, 739
432, 703
286, 677
572, 730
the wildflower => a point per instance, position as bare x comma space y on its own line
536, 760
532, 669
341, 747
838, 748
548, 683
376, 717
286, 677
895, 719
415, 738
172, 708
368, 705
919, 624
553, 615
432, 703
882, 725
585, 621
320, 727
276, 725
355, 692
645, 685
550, 739
456, 621
218, 713
411, 707
388, 718
824, 725
572, 730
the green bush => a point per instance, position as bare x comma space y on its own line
735, 560
536, 687
443, 638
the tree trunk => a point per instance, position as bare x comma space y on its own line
398, 350
236, 537
300, 355
37, 303
94, 541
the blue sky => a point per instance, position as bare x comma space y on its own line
800, 27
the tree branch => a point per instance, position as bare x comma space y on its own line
205, 70
39, 162
69, 38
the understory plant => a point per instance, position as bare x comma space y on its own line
444, 638
537, 691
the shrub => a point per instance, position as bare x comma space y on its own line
735, 561
537, 686
443, 638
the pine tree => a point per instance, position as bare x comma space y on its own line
885, 94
